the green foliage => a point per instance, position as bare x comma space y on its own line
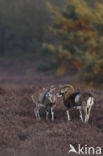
79, 32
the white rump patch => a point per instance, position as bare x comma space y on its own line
77, 98
90, 101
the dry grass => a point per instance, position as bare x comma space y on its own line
22, 135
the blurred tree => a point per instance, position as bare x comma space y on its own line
78, 30
23, 24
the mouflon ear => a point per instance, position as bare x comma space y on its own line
64, 90
52, 90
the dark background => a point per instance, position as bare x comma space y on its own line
23, 25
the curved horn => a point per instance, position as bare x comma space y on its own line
66, 86
69, 86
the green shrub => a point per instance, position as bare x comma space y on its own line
79, 32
